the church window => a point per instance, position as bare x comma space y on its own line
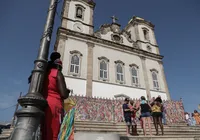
120, 71
74, 68
135, 75
146, 34
103, 68
120, 75
149, 49
79, 11
155, 80
75, 63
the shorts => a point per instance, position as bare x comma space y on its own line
128, 121
157, 114
145, 114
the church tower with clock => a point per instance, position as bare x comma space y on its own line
77, 15
110, 62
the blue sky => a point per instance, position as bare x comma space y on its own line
176, 28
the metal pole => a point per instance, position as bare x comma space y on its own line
13, 121
33, 104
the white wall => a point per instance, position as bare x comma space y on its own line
78, 85
156, 94
114, 55
151, 64
70, 45
109, 90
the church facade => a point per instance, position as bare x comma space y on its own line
110, 62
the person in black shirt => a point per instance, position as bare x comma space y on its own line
145, 114
127, 115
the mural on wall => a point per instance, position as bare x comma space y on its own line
110, 110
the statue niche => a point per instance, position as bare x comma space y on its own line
79, 12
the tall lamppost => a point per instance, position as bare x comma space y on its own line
33, 104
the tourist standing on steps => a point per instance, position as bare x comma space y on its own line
127, 115
187, 118
145, 114
55, 92
133, 118
157, 115
192, 121
197, 116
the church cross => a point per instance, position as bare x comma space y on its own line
114, 19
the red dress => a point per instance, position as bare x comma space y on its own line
53, 113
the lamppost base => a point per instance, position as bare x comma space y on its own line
28, 120
29, 117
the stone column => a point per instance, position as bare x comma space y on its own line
146, 79
137, 32
65, 11
60, 46
89, 69
91, 28
164, 80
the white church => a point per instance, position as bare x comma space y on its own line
110, 62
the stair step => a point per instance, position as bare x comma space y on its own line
139, 131
114, 136
139, 127
182, 137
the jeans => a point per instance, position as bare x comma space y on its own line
163, 118
145, 114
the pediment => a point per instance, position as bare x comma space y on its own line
112, 32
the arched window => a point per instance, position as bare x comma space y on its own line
103, 70
120, 74
155, 80
119, 65
146, 34
80, 10
134, 73
75, 64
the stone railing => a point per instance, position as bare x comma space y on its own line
110, 110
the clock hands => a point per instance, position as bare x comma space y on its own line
78, 27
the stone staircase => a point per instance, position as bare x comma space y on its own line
6, 134
171, 132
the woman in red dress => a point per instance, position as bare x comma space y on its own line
55, 92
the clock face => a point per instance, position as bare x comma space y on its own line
78, 27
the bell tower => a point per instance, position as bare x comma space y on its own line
77, 15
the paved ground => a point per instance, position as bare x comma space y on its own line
95, 136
